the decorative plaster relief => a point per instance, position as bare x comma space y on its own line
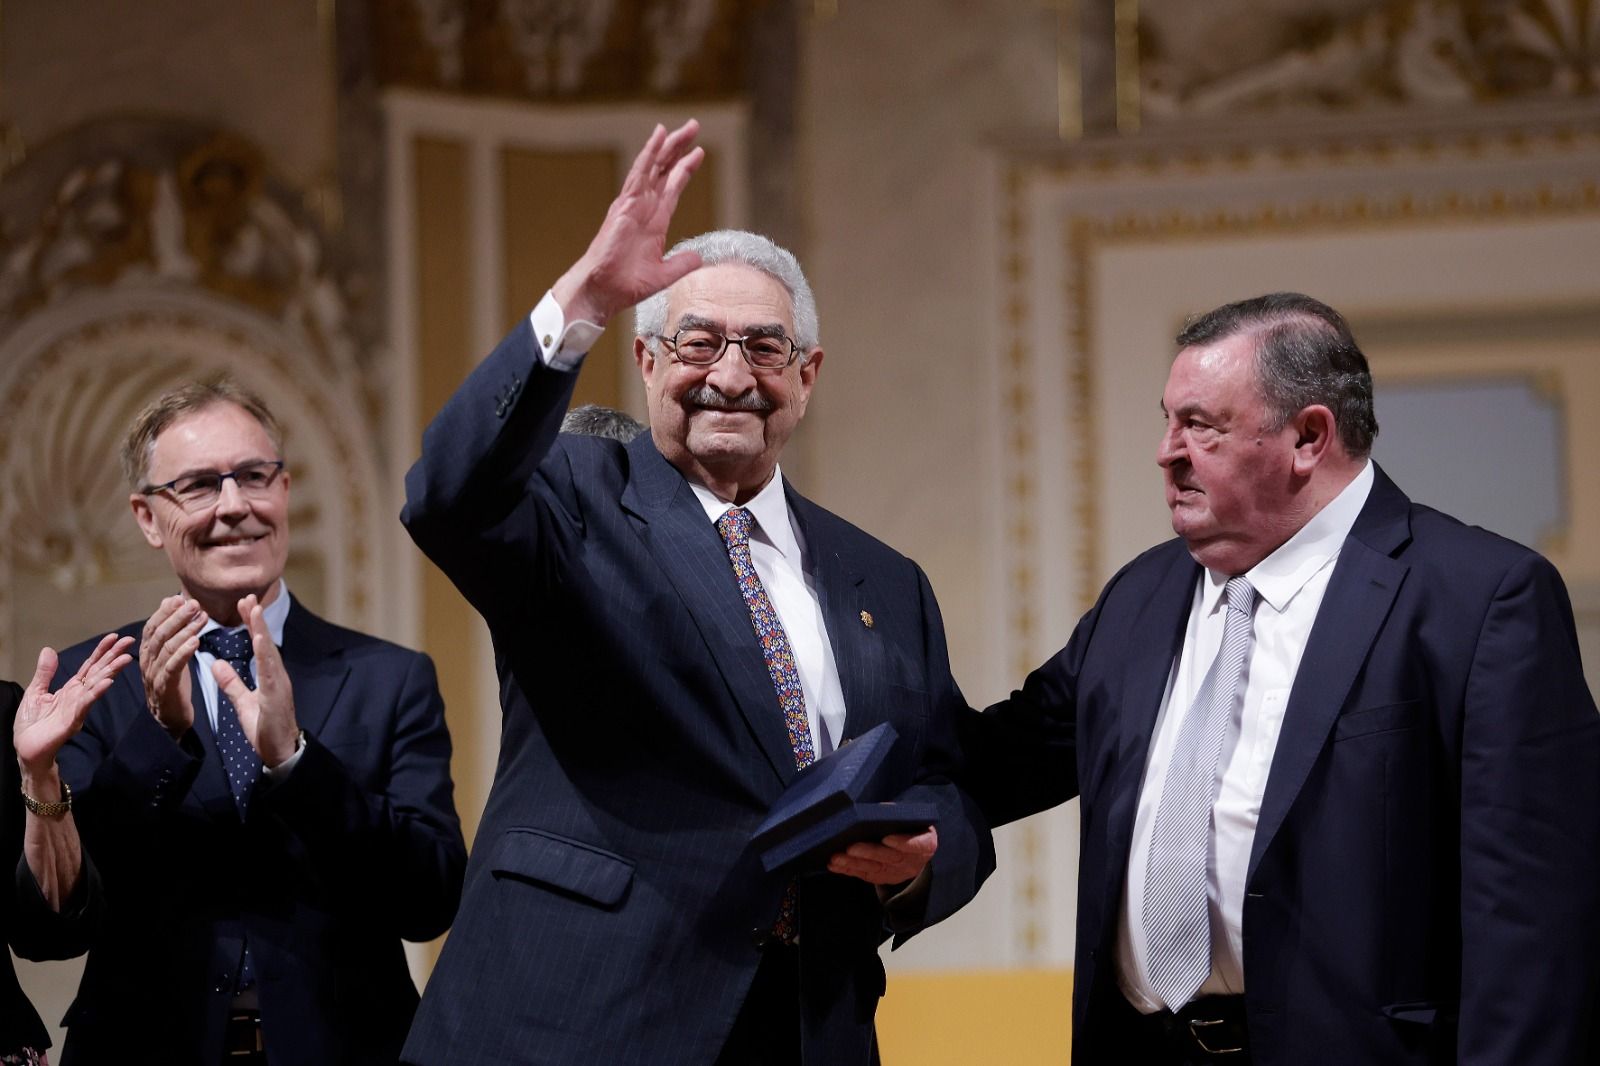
565, 49
1404, 52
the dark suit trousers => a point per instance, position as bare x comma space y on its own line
767, 1030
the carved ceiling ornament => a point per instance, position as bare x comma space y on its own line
564, 50
556, 40
1403, 52
191, 208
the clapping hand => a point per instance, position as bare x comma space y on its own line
266, 713
171, 637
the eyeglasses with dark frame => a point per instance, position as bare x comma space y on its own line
703, 347
195, 491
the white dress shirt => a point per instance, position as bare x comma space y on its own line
780, 560
1289, 586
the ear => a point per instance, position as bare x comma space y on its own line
644, 359
146, 517
808, 376
1316, 438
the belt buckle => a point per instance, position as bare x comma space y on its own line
1196, 1025
250, 1020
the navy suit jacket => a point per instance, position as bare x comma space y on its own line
613, 910
1424, 885
356, 849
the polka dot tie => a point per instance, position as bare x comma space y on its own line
239, 758
734, 525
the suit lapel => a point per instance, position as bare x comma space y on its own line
690, 553
1148, 668
844, 593
1361, 591
315, 671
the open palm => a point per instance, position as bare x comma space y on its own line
46, 720
624, 263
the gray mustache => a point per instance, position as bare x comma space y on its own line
703, 395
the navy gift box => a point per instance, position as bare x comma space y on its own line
838, 800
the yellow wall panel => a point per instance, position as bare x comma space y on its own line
554, 201
1015, 1017
445, 353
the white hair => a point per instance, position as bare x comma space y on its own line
751, 249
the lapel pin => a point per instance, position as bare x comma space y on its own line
866, 619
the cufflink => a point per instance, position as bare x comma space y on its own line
866, 619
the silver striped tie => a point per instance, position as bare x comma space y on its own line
1176, 916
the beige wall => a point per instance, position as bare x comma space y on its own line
260, 67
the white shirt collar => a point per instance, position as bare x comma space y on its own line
1281, 575
769, 507
274, 613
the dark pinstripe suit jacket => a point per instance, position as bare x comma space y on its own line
612, 907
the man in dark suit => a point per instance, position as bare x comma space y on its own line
1339, 768
51, 899
266, 795
614, 911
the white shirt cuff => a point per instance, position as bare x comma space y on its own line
276, 774
562, 344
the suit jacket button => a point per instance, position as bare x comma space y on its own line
759, 937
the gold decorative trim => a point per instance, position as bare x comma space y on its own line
1311, 146
1016, 389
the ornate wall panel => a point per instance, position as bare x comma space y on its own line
138, 254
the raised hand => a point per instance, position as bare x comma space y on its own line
46, 720
624, 263
266, 713
171, 637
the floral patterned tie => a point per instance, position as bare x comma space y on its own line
734, 525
